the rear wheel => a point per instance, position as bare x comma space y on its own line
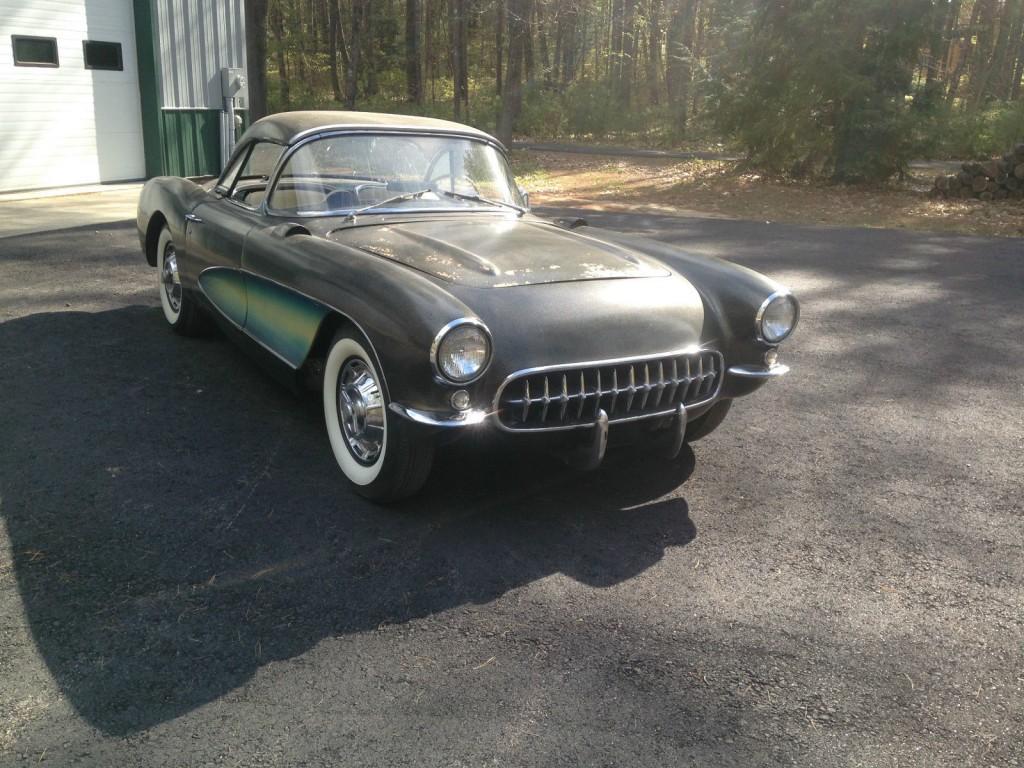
180, 309
382, 455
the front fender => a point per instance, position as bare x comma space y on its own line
397, 309
731, 295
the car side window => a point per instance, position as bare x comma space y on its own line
250, 185
227, 179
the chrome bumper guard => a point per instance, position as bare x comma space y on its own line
439, 418
759, 371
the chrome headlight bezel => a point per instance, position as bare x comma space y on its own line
443, 376
782, 294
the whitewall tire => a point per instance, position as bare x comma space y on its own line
382, 455
180, 309
168, 278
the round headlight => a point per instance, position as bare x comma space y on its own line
462, 351
777, 317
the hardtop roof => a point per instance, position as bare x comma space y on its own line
289, 127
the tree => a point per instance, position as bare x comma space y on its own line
256, 56
512, 95
414, 51
824, 83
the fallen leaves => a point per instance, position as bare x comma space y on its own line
721, 187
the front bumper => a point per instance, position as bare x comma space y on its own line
747, 377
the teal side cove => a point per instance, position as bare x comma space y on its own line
281, 320
225, 288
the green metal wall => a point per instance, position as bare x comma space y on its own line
191, 142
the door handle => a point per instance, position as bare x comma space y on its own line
193, 218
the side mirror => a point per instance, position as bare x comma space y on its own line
526, 197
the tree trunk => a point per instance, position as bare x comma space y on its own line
256, 56
627, 71
569, 25
353, 47
300, 37
333, 26
528, 64
454, 34
653, 51
277, 29
1018, 70
413, 51
463, 90
678, 52
964, 56
1004, 58
542, 42
369, 48
512, 97
499, 45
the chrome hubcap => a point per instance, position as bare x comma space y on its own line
170, 279
361, 408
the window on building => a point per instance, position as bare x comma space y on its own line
100, 55
32, 51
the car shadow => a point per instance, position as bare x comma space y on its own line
177, 521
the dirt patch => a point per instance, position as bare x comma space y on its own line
721, 188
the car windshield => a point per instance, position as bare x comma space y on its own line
380, 173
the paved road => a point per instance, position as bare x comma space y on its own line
835, 578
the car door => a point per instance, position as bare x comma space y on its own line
218, 226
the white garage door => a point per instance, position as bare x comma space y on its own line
78, 122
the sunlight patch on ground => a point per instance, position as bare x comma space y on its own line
722, 188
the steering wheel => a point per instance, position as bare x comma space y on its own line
341, 198
452, 183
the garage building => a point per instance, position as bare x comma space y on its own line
95, 91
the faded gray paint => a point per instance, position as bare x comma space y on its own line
196, 39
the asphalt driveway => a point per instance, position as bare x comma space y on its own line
834, 578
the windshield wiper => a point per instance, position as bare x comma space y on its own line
479, 199
351, 215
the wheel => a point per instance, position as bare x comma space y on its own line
180, 310
707, 422
383, 456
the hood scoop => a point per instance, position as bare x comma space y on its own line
485, 252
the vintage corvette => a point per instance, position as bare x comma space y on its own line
393, 263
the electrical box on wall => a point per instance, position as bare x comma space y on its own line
235, 85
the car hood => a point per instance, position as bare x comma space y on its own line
495, 253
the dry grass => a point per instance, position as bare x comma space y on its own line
719, 188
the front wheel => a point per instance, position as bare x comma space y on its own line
382, 455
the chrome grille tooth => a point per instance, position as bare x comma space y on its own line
526, 400
597, 393
631, 389
675, 380
546, 401
661, 383
614, 390
699, 378
583, 395
647, 386
565, 398
709, 376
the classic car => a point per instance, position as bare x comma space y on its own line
393, 263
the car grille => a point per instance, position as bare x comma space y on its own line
562, 397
